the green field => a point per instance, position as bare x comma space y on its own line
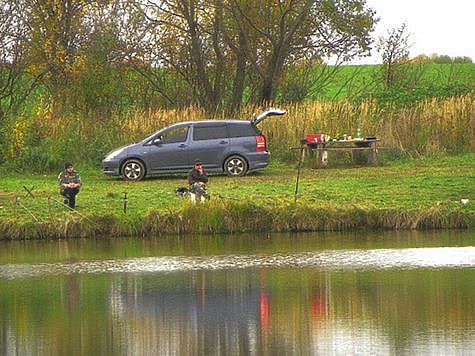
396, 195
361, 80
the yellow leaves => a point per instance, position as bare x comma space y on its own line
17, 138
56, 31
44, 110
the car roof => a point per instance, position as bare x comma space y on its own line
244, 122
254, 120
183, 123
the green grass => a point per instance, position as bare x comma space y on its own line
355, 80
404, 194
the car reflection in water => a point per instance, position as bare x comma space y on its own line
203, 318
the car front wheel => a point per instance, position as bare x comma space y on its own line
235, 166
133, 170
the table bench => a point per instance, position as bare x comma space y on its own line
321, 149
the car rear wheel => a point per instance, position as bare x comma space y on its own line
133, 170
235, 166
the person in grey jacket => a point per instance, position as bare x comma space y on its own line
69, 184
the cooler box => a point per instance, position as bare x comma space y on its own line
315, 138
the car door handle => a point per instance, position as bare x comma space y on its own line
182, 145
223, 142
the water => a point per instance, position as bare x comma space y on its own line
322, 294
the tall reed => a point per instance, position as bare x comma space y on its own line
430, 127
426, 128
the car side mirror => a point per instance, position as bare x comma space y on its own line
157, 141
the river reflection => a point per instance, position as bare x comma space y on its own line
331, 294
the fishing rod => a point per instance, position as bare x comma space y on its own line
125, 194
296, 194
28, 191
222, 197
125, 202
301, 148
18, 202
73, 210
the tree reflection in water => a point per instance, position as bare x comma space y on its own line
268, 309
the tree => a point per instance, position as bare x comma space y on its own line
207, 41
56, 36
288, 31
394, 50
205, 52
13, 89
183, 37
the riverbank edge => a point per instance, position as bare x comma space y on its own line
237, 217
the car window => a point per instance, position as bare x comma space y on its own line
174, 135
242, 130
209, 132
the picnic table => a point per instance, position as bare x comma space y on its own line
321, 149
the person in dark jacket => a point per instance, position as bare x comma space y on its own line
69, 184
197, 180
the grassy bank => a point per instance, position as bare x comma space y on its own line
415, 194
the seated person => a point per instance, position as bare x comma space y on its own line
197, 180
69, 183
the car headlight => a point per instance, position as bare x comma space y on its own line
114, 154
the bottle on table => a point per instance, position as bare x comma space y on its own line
359, 133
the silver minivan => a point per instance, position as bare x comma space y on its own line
231, 146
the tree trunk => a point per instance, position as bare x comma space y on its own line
220, 60
267, 91
205, 92
240, 77
271, 76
